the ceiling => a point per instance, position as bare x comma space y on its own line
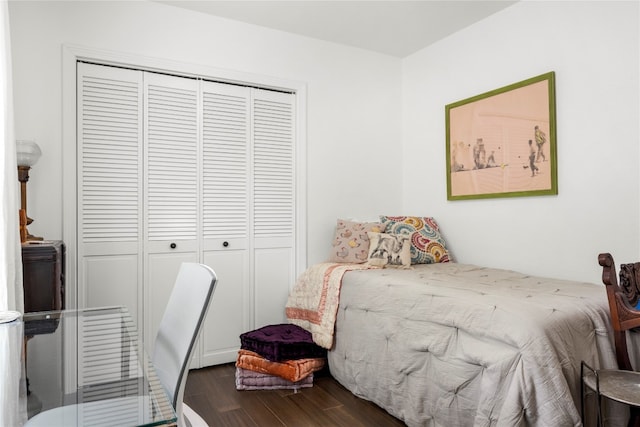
393, 27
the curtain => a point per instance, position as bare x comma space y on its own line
10, 250
12, 393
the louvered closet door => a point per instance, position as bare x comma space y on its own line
171, 187
226, 217
109, 115
273, 116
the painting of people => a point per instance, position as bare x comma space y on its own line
502, 143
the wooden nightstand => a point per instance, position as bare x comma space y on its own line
43, 267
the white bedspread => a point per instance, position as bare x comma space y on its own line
460, 345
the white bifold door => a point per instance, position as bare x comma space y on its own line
174, 169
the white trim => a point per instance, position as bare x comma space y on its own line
71, 54
301, 261
69, 181
147, 63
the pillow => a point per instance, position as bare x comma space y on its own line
351, 243
427, 245
280, 342
292, 370
389, 250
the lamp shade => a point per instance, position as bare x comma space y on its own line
27, 152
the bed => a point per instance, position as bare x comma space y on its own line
460, 345
451, 344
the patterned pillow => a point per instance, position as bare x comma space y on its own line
351, 243
389, 250
427, 245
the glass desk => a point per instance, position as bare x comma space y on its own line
93, 358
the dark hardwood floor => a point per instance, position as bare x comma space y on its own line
212, 393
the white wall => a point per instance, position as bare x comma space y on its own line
593, 46
352, 109
370, 116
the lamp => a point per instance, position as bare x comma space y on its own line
28, 154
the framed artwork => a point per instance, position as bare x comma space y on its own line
503, 143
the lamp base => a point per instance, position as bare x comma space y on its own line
25, 236
32, 238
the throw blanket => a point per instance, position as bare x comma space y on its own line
251, 380
313, 302
292, 370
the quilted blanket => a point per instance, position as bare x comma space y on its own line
313, 302
460, 345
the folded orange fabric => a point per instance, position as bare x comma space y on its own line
292, 370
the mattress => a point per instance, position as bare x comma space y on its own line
461, 345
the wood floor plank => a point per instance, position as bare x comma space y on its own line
322, 417
262, 415
222, 387
341, 416
288, 409
368, 412
201, 404
212, 393
241, 418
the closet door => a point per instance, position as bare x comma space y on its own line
172, 170
226, 217
109, 209
171, 188
273, 117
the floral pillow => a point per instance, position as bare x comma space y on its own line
351, 242
389, 250
427, 245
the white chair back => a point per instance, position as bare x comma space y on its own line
179, 328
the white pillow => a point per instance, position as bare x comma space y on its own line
351, 243
389, 250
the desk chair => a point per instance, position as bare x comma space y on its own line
177, 333
619, 385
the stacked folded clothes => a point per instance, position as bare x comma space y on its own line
280, 356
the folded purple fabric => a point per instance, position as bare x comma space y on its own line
281, 342
251, 380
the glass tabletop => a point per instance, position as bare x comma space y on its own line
92, 359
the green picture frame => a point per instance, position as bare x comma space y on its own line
502, 143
